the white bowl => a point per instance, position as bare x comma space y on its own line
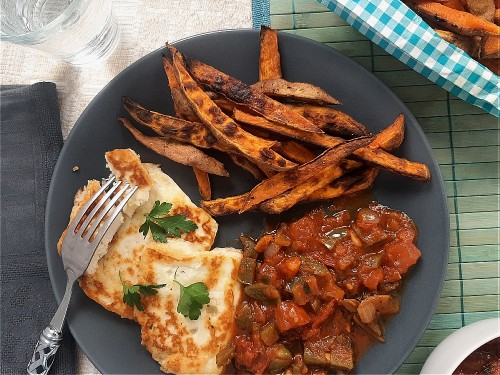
446, 357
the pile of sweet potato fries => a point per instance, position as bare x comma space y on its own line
472, 25
287, 134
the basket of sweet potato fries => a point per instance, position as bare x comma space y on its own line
454, 43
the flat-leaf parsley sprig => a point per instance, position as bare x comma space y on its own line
163, 226
132, 293
191, 299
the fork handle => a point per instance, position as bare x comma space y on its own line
45, 350
51, 336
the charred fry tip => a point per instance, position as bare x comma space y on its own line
167, 60
170, 47
127, 101
125, 122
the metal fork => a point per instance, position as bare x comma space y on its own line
82, 238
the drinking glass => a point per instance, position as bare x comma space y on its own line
77, 31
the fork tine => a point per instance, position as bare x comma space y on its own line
114, 214
97, 208
97, 220
84, 209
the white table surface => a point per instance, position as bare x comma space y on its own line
144, 25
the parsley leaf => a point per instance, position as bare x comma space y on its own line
132, 293
192, 299
163, 226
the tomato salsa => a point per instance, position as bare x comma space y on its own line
318, 289
484, 360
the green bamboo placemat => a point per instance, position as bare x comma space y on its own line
465, 141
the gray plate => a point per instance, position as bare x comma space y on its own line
113, 344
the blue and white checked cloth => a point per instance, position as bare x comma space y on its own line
403, 34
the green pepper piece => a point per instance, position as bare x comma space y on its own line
246, 272
281, 358
267, 294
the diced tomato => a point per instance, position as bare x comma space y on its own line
300, 233
275, 259
312, 284
401, 256
325, 312
264, 242
281, 237
257, 341
391, 274
346, 254
329, 289
406, 234
310, 333
289, 315
245, 352
289, 267
259, 314
372, 277
352, 285
267, 274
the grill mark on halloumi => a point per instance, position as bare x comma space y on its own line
181, 345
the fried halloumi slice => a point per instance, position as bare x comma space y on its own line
181, 345
126, 165
102, 282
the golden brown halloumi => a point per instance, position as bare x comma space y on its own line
101, 282
126, 165
181, 345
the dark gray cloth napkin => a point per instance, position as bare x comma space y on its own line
30, 142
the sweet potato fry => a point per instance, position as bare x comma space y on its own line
227, 106
232, 205
298, 193
299, 91
184, 111
224, 206
331, 120
465, 43
388, 139
226, 131
455, 20
322, 140
455, 4
178, 152
181, 106
172, 127
203, 180
241, 93
247, 165
283, 181
363, 180
269, 59
490, 47
481, 8
394, 164
295, 151
391, 137
496, 18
